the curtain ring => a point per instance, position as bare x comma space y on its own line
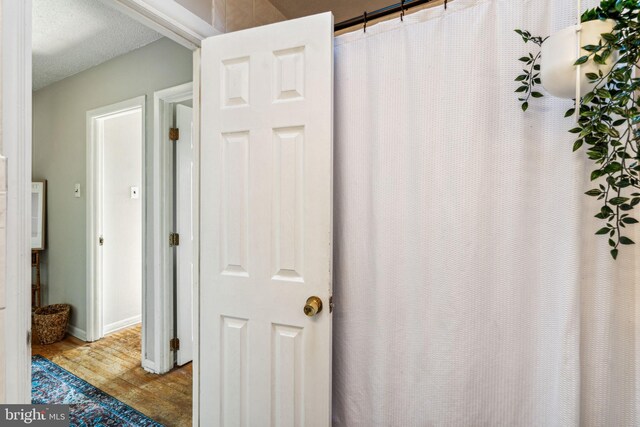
365, 21
402, 10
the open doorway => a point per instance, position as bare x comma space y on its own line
115, 212
96, 72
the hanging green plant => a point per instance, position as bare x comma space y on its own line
609, 111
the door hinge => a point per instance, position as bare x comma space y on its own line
174, 344
331, 304
174, 134
28, 338
174, 239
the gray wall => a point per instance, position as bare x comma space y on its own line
59, 156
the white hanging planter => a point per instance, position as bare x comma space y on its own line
559, 54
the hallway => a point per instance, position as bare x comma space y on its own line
113, 365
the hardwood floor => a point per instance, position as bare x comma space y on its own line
113, 365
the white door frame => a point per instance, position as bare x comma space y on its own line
163, 205
165, 16
15, 26
95, 321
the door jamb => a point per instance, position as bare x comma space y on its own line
195, 407
15, 145
95, 324
163, 205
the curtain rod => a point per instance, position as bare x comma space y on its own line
385, 11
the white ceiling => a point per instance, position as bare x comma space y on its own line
342, 9
70, 36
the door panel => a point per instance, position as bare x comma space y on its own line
266, 225
184, 227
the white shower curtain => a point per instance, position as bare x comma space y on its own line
470, 289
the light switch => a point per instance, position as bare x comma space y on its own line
135, 193
76, 191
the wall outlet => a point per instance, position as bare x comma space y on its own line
76, 191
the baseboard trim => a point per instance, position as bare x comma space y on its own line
122, 324
77, 332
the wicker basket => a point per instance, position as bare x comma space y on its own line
51, 322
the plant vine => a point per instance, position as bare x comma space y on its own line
609, 115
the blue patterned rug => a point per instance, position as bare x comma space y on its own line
89, 406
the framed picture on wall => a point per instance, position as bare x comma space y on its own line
38, 212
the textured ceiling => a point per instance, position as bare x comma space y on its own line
70, 36
342, 9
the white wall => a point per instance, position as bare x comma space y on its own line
122, 220
59, 156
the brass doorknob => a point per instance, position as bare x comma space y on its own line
313, 306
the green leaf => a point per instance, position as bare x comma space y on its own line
618, 200
525, 59
620, 5
614, 253
570, 112
613, 132
606, 210
613, 167
525, 106
603, 230
522, 89
581, 60
521, 78
596, 174
594, 192
629, 220
537, 94
577, 144
592, 76
588, 97
626, 241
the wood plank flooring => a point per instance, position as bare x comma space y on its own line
113, 365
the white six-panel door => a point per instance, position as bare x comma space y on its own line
266, 225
